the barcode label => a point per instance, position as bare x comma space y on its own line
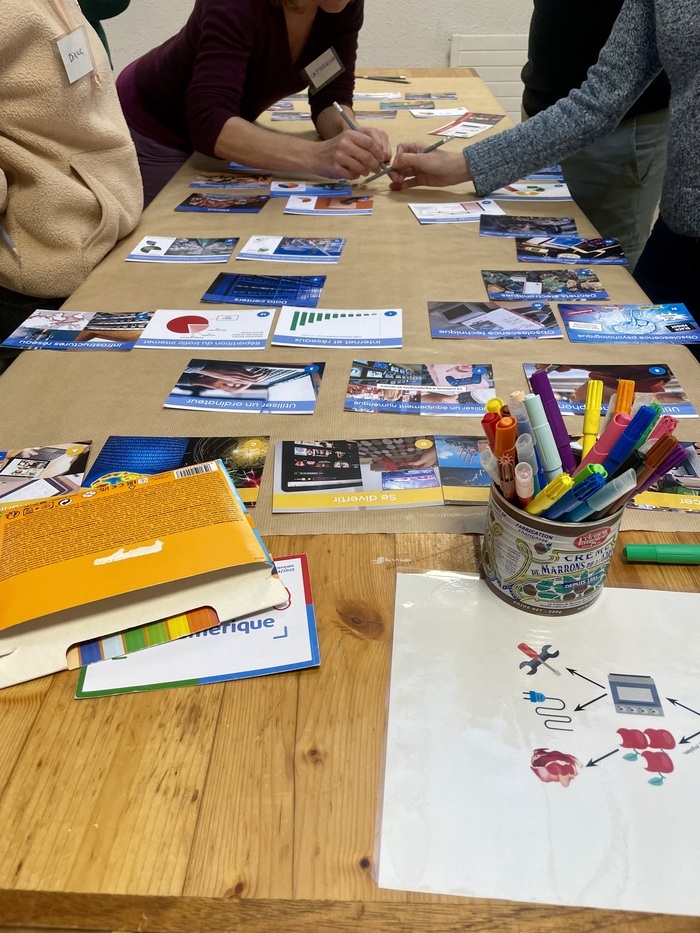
197, 468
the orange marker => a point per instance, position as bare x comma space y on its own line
625, 397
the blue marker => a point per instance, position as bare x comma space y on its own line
629, 438
575, 496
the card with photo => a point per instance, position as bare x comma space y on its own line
492, 320
381, 387
126, 458
223, 385
224, 203
570, 385
629, 323
267, 290
563, 284
596, 251
511, 226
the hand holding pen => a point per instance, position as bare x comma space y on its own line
440, 142
350, 155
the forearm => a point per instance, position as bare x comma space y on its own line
329, 122
241, 141
627, 64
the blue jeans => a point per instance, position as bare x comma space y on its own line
669, 270
617, 180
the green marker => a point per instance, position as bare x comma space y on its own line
590, 470
663, 553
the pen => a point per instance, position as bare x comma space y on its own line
666, 424
548, 496
488, 423
606, 441
392, 79
600, 501
385, 168
505, 454
578, 493
8, 240
440, 142
590, 470
656, 455
625, 397
494, 404
541, 386
663, 553
525, 452
591, 415
517, 410
544, 439
490, 464
524, 483
658, 411
629, 438
674, 459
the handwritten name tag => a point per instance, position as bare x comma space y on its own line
323, 69
75, 54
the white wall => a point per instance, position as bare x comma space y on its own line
408, 33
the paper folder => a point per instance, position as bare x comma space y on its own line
101, 561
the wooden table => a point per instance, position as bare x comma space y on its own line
248, 805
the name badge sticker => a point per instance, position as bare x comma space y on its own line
75, 53
322, 70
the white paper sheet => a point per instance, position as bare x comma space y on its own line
463, 811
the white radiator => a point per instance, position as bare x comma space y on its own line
498, 61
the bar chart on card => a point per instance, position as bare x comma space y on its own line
338, 328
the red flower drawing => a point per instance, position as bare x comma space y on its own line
660, 738
554, 766
658, 761
634, 738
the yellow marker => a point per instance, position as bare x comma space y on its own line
625, 397
591, 416
549, 495
494, 404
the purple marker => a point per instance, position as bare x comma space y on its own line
541, 386
676, 457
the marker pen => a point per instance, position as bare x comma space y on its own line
663, 553
541, 386
548, 496
490, 464
578, 493
525, 452
590, 470
602, 447
629, 438
603, 499
488, 423
591, 415
542, 432
504, 450
524, 483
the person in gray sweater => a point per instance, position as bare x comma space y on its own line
648, 36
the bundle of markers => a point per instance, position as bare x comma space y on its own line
532, 462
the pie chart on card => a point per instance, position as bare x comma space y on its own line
188, 324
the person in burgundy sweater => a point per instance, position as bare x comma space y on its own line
203, 88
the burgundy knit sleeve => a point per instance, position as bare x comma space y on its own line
227, 35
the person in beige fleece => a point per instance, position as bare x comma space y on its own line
69, 179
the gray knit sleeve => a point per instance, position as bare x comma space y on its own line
627, 64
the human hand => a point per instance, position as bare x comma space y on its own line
413, 167
380, 139
351, 154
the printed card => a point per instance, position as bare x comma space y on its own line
182, 249
459, 390
563, 284
224, 203
338, 328
267, 290
78, 330
454, 212
205, 330
125, 459
570, 383
492, 320
293, 249
509, 225
629, 323
353, 205
222, 385
593, 252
